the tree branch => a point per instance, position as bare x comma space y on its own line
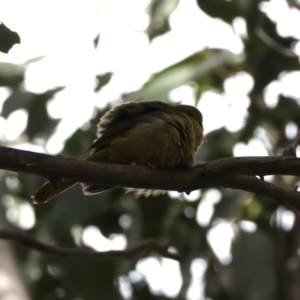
227, 172
141, 250
263, 188
203, 175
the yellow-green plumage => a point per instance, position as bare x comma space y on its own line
164, 135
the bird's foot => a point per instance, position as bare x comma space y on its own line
148, 164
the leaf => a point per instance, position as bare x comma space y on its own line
8, 38
102, 80
39, 124
192, 68
10, 75
160, 11
228, 10
96, 40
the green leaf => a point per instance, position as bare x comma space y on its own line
190, 69
39, 124
102, 80
160, 11
8, 38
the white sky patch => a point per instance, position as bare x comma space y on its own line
208, 103
163, 276
254, 148
43, 34
27, 216
19, 213
248, 226
75, 68
289, 84
131, 66
286, 85
279, 11
192, 196
196, 288
123, 48
15, 124
236, 90
4, 94
220, 35
285, 218
296, 47
12, 215
93, 238
230, 109
220, 237
54, 145
2, 128
291, 130
30, 147
239, 84
225, 38
271, 94
185, 94
205, 208
125, 287
175, 195
239, 26
12, 181
130, 14
118, 241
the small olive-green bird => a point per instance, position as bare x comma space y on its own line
152, 134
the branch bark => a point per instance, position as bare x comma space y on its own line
252, 184
235, 172
140, 250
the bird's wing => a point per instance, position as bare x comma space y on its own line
124, 117
130, 110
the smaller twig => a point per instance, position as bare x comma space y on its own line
296, 141
252, 184
264, 37
292, 149
140, 250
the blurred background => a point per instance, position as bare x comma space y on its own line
236, 60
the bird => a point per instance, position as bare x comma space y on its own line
153, 134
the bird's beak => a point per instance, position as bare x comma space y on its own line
205, 139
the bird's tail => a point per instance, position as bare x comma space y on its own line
48, 191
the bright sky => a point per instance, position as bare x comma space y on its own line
62, 32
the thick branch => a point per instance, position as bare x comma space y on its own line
142, 249
205, 174
223, 172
